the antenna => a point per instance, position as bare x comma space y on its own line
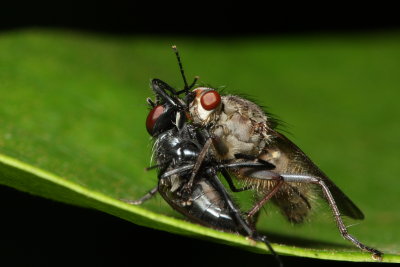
180, 67
187, 87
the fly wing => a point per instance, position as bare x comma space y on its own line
290, 159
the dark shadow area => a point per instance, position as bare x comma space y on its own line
40, 232
201, 19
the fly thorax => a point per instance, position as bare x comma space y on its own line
237, 133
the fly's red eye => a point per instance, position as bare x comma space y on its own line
210, 100
152, 118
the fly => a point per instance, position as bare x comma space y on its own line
239, 130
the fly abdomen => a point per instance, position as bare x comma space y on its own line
205, 205
210, 207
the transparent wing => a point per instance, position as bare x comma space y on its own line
289, 159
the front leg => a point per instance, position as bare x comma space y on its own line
200, 159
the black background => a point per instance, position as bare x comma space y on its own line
40, 232
201, 18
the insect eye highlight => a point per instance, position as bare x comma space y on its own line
210, 100
153, 116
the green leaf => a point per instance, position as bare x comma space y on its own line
73, 109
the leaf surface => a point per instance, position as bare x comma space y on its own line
73, 109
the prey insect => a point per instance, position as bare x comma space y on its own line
177, 147
208, 203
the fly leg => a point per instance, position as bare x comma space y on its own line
249, 164
140, 201
200, 159
267, 197
335, 210
268, 165
297, 178
263, 174
163, 174
238, 217
153, 191
231, 184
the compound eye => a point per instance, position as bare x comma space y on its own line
210, 100
153, 116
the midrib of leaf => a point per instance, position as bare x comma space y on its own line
36, 181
